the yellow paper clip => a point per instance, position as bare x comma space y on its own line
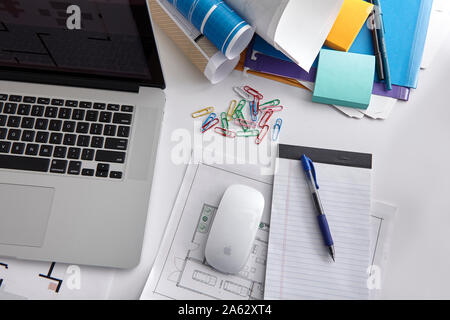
203, 112
231, 109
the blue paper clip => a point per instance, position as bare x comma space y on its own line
276, 129
211, 117
253, 111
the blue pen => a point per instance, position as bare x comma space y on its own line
308, 167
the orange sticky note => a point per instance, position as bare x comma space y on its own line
349, 22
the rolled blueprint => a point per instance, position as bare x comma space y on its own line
202, 53
219, 23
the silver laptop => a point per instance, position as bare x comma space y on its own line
81, 106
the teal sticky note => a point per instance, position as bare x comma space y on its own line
344, 79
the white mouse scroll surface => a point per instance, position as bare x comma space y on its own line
180, 270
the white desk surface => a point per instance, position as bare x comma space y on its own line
411, 167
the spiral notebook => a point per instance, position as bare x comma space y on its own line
298, 264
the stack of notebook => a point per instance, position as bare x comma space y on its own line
346, 63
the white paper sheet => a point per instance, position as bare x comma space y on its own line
298, 264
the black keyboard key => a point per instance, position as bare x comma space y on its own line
5, 146
56, 138
123, 132
64, 113
28, 135
105, 117
84, 104
58, 166
10, 108
55, 125
29, 99
37, 110
74, 167
88, 172
102, 170
60, 152
46, 151
115, 175
24, 109
51, 112
74, 153
126, 108
99, 106
57, 102
3, 97
83, 141
91, 115
82, 127
88, 154
122, 118
15, 98
116, 144
3, 119
110, 130
1, 106
97, 142
14, 134
24, 163
68, 126
78, 114
18, 148
42, 137
113, 107
110, 156
27, 123
96, 128
70, 139
32, 149
41, 124
43, 100
71, 103
3, 133
13, 121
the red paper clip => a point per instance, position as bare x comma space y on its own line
265, 118
210, 124
224, 132
253, 92
262, 134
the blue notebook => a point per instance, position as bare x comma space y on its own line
406, 23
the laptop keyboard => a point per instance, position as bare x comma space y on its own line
60, 136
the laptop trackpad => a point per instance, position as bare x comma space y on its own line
24, 214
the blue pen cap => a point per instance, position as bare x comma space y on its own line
308, 166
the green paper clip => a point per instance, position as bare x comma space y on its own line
224, 119
248, 133
272, 103
239, 108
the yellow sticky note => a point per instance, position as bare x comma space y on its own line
349, 22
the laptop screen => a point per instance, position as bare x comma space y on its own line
97, 38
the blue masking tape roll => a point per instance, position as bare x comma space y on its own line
218, 22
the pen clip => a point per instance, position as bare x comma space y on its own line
308, 165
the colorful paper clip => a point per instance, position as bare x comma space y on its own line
202, 112
224, 119
250, 133
265, 118
224, 132
210, 125
253, 92
231, 108
276, 129
243, 122
210, 118
273, 108
272, 103
239, 108
262, 134
242, 93
253, 111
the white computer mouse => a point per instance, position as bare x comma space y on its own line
234, 228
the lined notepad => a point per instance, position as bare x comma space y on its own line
298, 265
